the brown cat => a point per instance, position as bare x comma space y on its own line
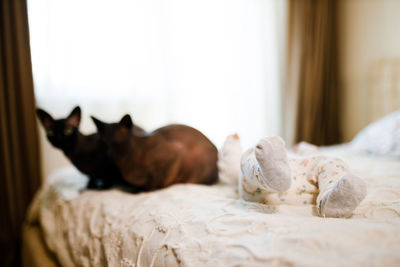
169, 155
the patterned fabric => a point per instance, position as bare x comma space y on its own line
381, 137
312, 178
196, 225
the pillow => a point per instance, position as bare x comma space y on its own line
381, 137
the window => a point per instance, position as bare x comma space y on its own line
211, 64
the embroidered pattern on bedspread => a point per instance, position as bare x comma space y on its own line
195, 225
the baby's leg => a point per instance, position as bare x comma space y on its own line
304, 148
266, 167
340, 192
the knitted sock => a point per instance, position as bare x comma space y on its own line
271, 155
344, 197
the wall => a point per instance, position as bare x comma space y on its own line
369, 32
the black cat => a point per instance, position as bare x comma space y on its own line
87, 152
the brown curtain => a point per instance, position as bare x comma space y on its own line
19, 150
311, 102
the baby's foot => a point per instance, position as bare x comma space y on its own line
272, 158
347, 194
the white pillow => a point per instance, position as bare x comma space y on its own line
381, 137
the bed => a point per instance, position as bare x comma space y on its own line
195, 225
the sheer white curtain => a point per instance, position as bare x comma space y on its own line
211, 64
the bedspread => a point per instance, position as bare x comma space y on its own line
196, 225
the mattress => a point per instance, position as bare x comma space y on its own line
196, 225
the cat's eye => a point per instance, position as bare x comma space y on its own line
68, 131
50, 133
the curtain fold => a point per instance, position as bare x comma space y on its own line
19, 149
312, 92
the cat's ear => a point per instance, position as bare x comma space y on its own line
99, 124
126, 121
45, 118
74, 118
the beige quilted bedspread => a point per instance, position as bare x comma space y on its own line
194, 225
